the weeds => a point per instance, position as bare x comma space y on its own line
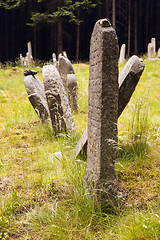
44, 197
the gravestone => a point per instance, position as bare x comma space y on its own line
128, 79
122, 54
64, 67
153, 41
59, 108
21, 59
36, 95
158, 54
29, 46
54, 59
64, 54
102, 114
72, 91
150, 51
81, 146
28, 60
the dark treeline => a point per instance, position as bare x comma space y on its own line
56, 25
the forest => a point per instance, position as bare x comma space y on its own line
57, 25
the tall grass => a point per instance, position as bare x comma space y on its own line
136, 143
43, 193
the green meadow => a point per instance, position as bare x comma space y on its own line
43, 197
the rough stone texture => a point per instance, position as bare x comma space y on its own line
72, 91
59, 108
64, 67
122, 54
102, 115
36, 95
128, 79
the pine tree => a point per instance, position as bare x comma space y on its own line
59, 11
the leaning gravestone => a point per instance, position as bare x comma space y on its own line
36, 94
102, 114
59, 108
128, 79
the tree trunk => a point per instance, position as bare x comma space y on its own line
60, 37
78, 35
107, 8
35, 43
114, 14
6, 36
147, 22
129, 28
135, 28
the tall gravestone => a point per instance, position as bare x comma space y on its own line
36, 95
127, 80
59, 108
103, 114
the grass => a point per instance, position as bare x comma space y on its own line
44, 197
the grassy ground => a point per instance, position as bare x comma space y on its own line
43, 197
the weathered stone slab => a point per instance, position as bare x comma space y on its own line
59, 108
128, 79
102, 114
72, 91
36, 95
64, 67
122, 54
